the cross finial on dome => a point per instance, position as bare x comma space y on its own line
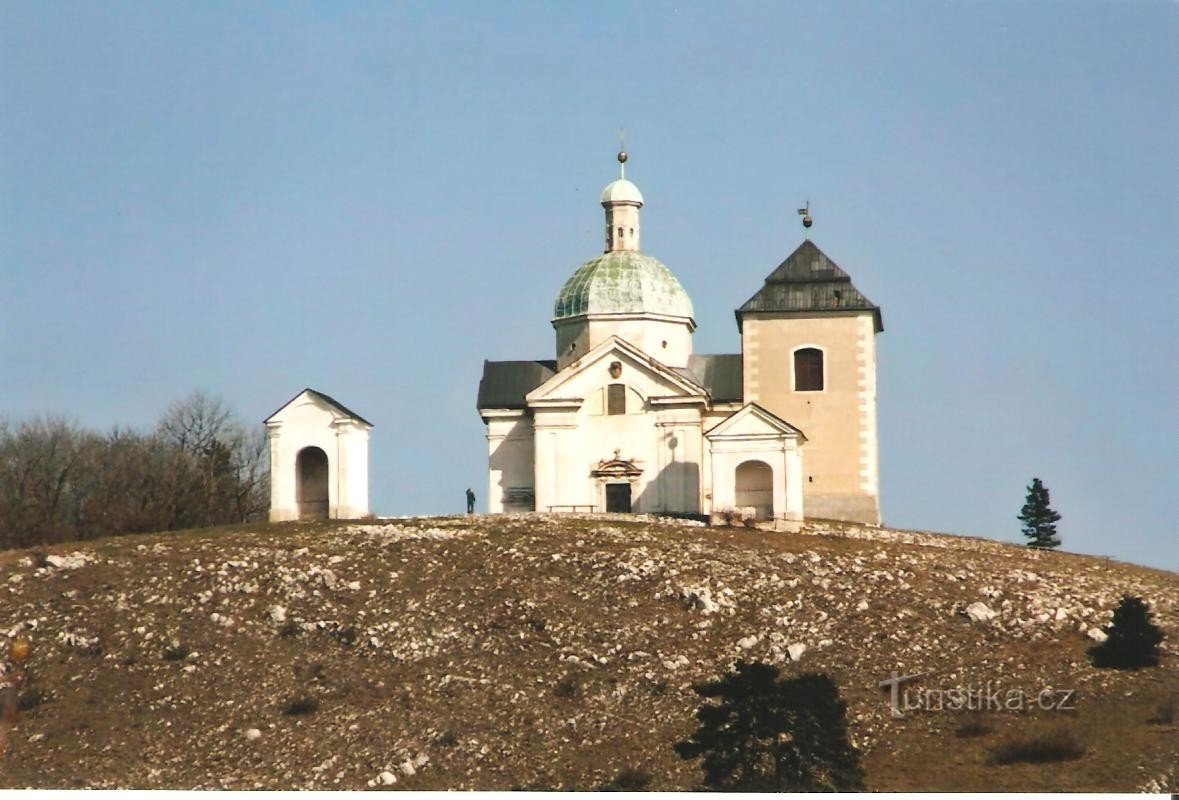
621, 153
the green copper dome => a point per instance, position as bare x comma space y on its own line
622, 282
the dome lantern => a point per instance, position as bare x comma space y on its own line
622, 201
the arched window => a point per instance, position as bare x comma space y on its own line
616, 398
808, 370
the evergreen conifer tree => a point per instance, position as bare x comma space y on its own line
773, 735
1133, 638
1038, 518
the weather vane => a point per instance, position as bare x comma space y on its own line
807, 222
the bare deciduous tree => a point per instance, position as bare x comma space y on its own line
199, 467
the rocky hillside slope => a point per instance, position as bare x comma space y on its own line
557, 652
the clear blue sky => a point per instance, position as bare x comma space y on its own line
372, 198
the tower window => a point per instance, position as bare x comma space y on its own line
616, 398
620, 233
808, 370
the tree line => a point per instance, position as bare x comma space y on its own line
199, 466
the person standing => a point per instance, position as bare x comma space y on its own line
470, 501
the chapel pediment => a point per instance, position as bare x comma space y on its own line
753, 421
613, 360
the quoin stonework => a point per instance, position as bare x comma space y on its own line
627, 418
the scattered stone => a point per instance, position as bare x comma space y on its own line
795, 651
980, 612
253, 734
72, 561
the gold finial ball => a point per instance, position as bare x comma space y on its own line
621, 156
18, 651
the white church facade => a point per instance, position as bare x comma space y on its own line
626, 418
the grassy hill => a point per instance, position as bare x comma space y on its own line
556, 652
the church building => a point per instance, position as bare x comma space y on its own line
627, 418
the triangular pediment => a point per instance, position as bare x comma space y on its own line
753, 421
571, 383
319, 401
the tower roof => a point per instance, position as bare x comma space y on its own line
809, 281
621, 191
622, 282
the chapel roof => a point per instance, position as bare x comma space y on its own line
809, 281
505, 383
719, 374
331, 401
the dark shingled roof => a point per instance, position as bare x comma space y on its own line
720, 375
809, 281
504, 383
331, 401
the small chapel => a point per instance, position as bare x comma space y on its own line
627, 418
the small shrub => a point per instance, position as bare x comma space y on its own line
176, 652
1166, 712
730, 516
749, 522
1044, 748
973, 726
447, 739
301, 706
30, 699
1133, 640
346, 636
289, 629
628, 780
566, 687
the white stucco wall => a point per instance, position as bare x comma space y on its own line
668, 339
510, 472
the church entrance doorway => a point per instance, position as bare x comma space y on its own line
618, 498
311, 483
755, 488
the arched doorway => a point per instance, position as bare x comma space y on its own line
311, 483
755, 487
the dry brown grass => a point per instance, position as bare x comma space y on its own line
474, 633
